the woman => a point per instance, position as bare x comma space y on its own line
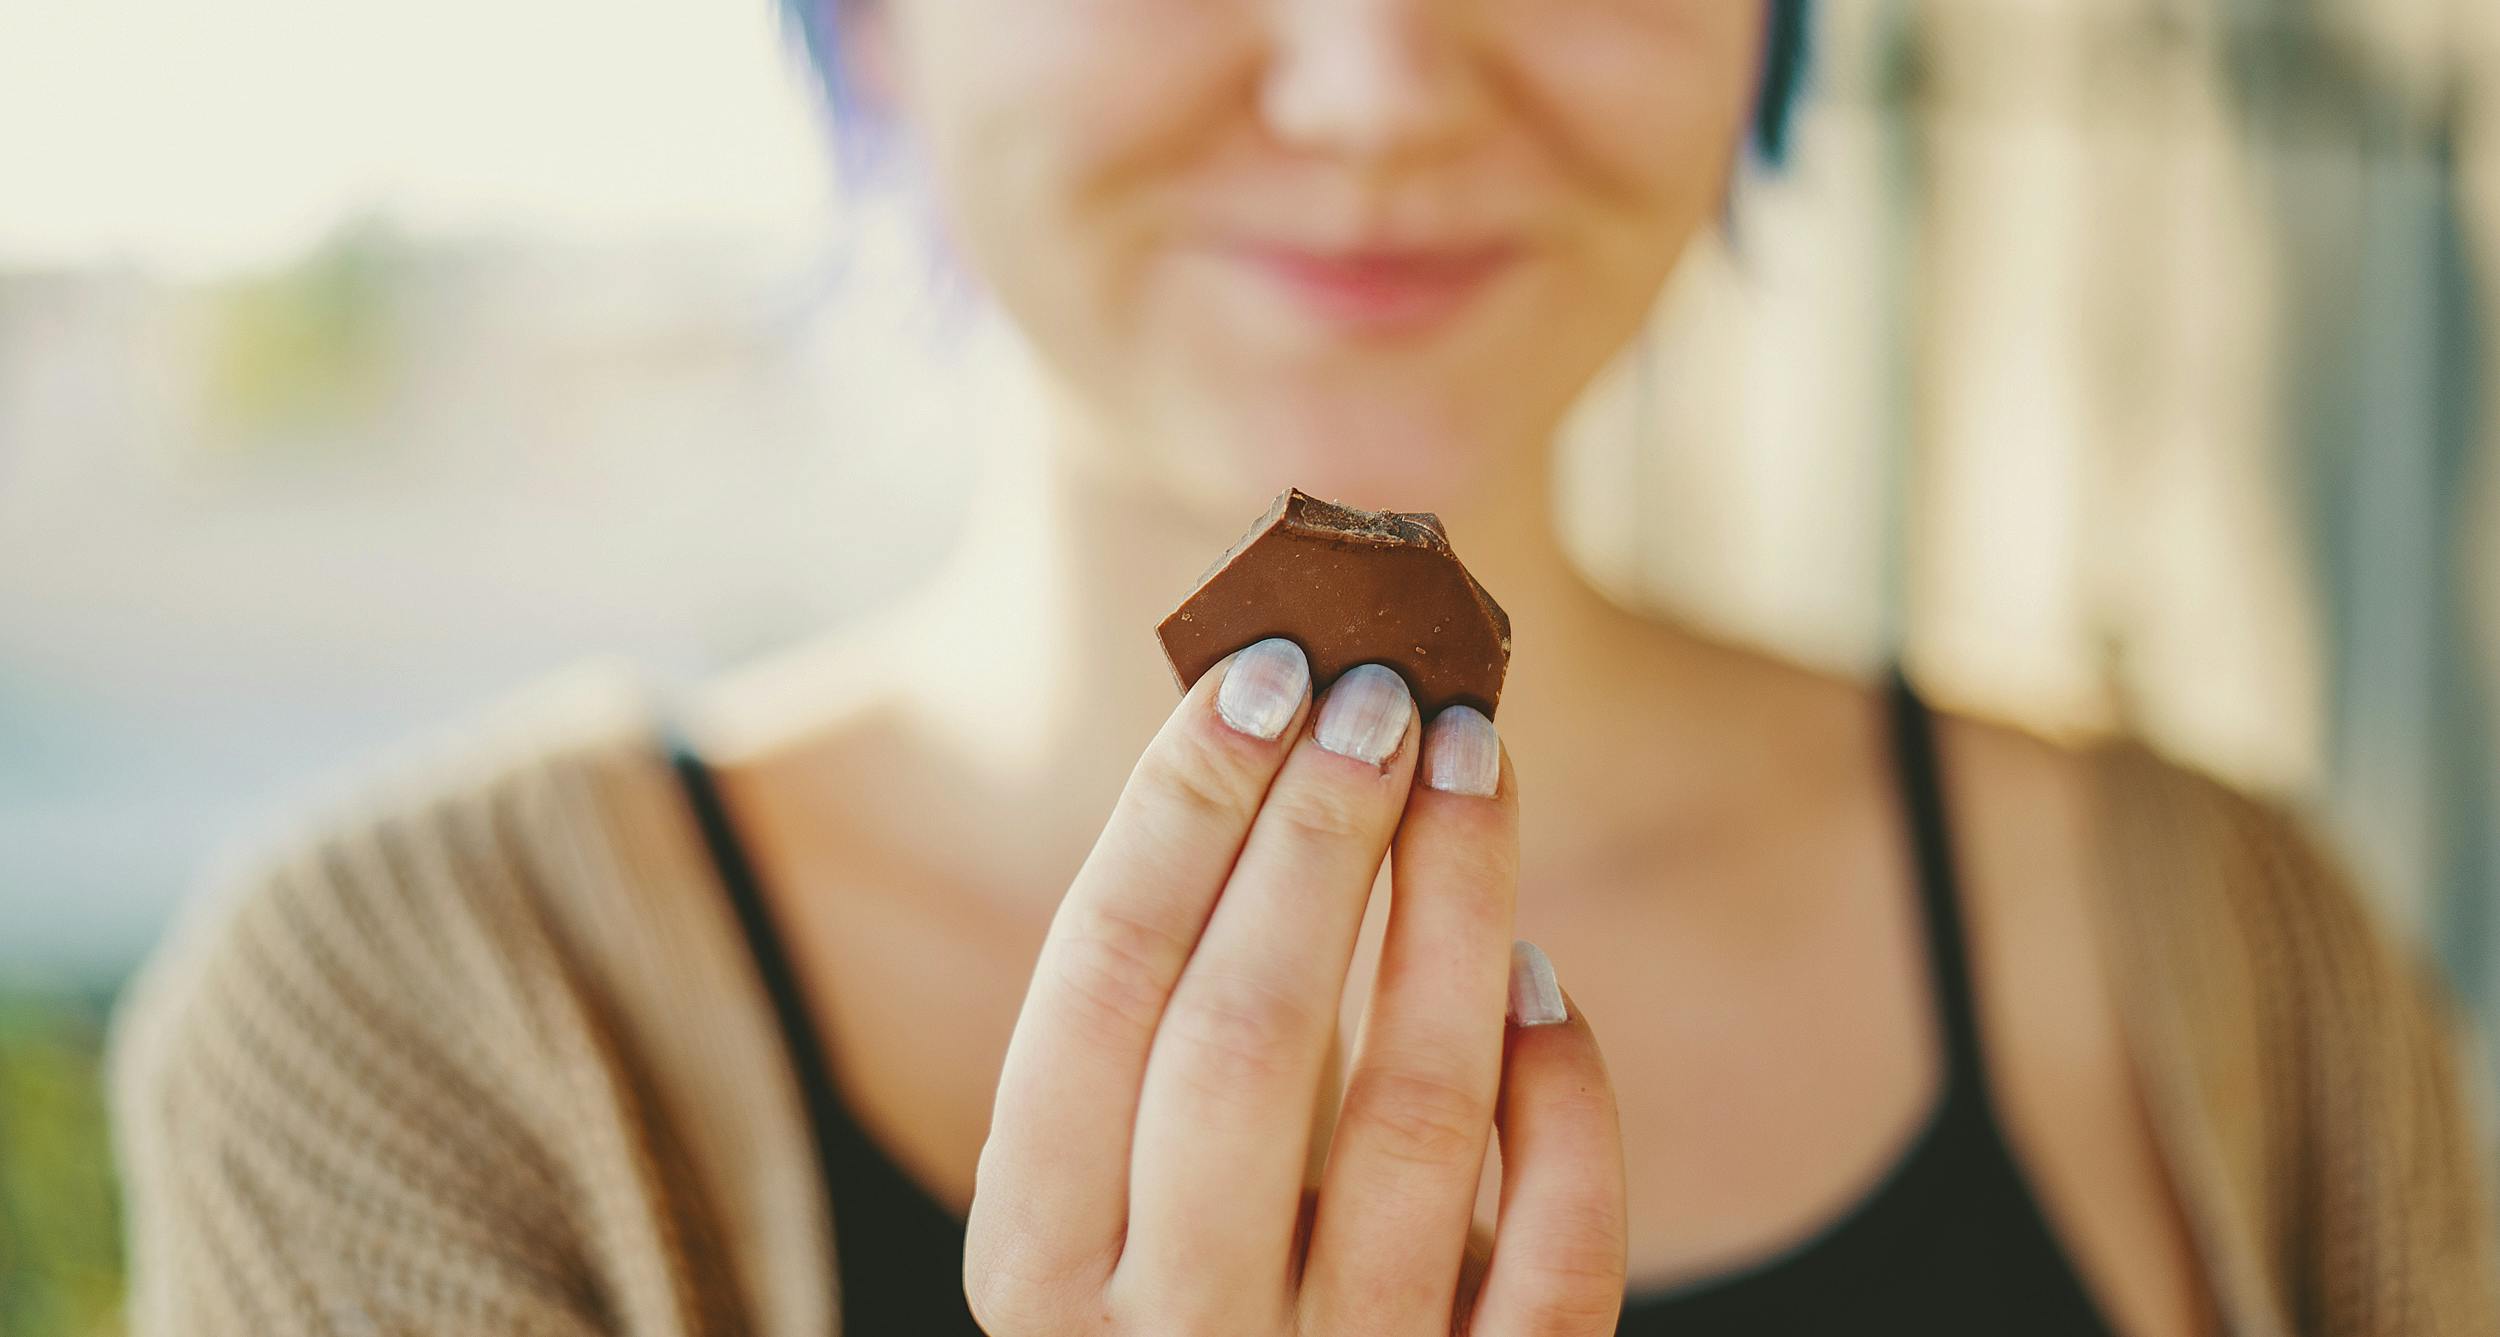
835, 998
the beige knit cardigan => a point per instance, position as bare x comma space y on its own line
482, 1051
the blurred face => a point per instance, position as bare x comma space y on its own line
1371, 248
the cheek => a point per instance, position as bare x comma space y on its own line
1048, 124
1644, 101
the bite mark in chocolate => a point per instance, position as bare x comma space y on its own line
1350, 587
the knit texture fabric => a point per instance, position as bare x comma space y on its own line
2303, 1069
478, 1049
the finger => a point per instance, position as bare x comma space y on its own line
1051, 1194
1400, 1189
1558, 1243
1222, 1141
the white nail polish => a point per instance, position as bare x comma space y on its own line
1462, 755
1263, 687
1535, 994
1365, 714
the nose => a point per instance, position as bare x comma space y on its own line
1373, 80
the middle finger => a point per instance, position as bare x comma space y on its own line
1391, 1232
1216, 1175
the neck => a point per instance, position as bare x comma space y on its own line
1030, 677
1042, 662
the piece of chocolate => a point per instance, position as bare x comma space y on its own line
1350, 587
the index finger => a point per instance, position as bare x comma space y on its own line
1051, 1195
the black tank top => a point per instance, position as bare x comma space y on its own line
1949, 1242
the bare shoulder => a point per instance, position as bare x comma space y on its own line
2024, 813
837, 685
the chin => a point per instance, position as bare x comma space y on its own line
1383, 452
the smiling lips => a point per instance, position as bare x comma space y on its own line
1383, 291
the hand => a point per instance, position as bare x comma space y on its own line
1145, 1168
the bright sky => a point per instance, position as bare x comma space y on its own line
201, 137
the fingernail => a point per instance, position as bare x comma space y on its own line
1365, 714
1535, 995
1263, 687
1462, 755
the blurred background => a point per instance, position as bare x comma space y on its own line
2119, 362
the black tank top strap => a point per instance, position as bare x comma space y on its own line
773, 965
1939, 889
898, 1252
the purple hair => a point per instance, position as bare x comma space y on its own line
858, 140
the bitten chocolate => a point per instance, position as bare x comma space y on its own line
1350, 587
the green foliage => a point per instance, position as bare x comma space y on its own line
308, 347
60, 1229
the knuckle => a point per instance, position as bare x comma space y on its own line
1119, 967
1238, 1029
1419, 1117
1012, 1286
1003, 1309
1576, 1100
1194, 776
1322, 814
1578, 1259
